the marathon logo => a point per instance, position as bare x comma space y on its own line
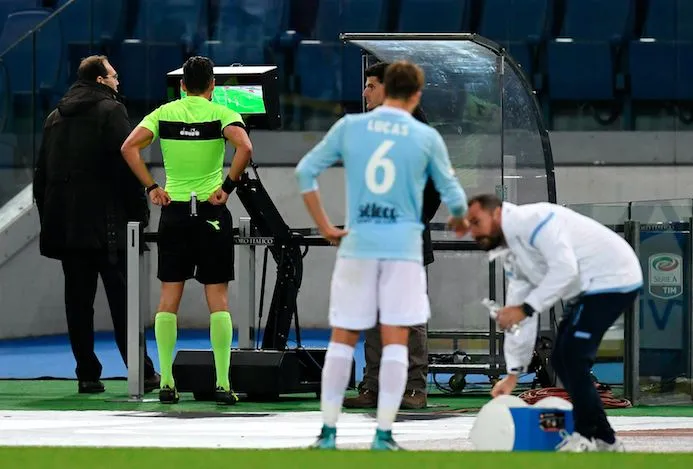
377, 213
169, 130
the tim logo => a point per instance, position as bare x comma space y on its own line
666, 275
377, 213
190, 132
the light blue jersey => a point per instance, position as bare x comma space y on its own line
387, 157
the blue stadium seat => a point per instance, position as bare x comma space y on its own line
581, 62
327, 69
521, 21
11, 6
596, 20
89, 27
244, 30
18, 60
519, 26
167, 32
660, 61
660, 22
432, 16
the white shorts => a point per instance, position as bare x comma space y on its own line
365, 292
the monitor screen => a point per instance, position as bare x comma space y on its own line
244, 99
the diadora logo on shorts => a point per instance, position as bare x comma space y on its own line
665, 275
190, 132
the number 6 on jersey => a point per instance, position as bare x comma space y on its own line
378, 160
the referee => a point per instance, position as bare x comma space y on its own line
195, 228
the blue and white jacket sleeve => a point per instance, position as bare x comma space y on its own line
439, 167
518, 349
562, 267
322, 156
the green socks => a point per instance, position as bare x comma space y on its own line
166, 332
221, 333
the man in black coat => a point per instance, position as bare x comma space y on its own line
85, 195
415, 393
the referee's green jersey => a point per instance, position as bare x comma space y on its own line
192, 143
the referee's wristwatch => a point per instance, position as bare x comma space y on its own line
527, 309
151, 188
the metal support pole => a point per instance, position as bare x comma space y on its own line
246, 285
631, 329
135, 331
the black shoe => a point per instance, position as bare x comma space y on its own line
90, 387
168, 395
152, 383
224, 397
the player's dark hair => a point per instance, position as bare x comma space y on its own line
198, 73
377, 70
488, 202
403, 79
92, 67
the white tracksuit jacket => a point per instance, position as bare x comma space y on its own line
552, 254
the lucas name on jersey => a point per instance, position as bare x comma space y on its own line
388, 128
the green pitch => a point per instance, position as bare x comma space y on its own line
103, 458
241, 101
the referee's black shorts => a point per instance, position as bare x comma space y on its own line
196, 246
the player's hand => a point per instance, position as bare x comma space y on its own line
159, 197
509, 316
460, 225
218, 197
504, 386
333, 234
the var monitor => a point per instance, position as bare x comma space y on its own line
251, 91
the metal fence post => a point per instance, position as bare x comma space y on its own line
246, 284
135, 335
631, 328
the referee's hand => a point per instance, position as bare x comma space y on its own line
218, 197
159, 197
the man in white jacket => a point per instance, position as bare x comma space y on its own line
551, 253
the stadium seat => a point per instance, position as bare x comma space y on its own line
433, 16
660, 61
517, 21
243, 31
90, 27
18, 60
166, 33
329, 70
11, 6
581, 62
519, 26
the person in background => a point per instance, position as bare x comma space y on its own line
85, 195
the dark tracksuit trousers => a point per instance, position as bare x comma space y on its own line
81, 274
580, 332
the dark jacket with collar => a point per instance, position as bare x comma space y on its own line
431, 202
84, 191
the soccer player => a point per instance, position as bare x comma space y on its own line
552, 253
195, 235
415, 389
387, 157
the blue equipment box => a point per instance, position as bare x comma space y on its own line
540, 429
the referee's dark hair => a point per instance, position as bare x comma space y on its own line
403, 80
92, 67
488, 202
198, 73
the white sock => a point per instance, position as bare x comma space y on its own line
335, 379
391, 383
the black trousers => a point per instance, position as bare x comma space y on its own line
81, 272
579, 334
